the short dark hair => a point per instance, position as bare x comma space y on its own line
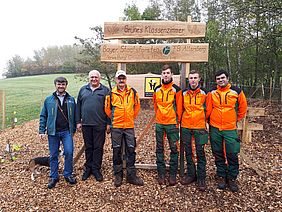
166, 66
221, 71
195, 72
60, 79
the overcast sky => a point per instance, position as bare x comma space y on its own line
28, 25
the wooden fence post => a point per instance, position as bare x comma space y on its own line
3, 107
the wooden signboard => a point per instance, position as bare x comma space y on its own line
153, 29
137, 53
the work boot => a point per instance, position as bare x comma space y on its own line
161, 179
52, 183
233, 185
71, 180
98, 175
172, 180
131, 176
202, 185
86, 174
188, 180
118, 180
134, 180
221, 183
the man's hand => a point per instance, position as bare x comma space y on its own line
108, 129
78, 127
41, 136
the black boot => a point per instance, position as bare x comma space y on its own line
202, 184
52, 183
118, 172
233, 185
221, 183
161, 179
118, 180
188, 180
172, 180
132, 178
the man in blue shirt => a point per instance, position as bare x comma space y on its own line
57, 117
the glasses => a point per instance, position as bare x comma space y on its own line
219, 78
121, 79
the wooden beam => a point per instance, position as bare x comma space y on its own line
148, 166
153, 29
80, 152
255, 111
251, 164
250, 126
137, 53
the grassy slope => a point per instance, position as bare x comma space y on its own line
25, 95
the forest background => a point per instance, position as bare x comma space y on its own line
244, 38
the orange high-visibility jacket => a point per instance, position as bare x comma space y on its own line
122, 107
168, 103
194, 108
226, 106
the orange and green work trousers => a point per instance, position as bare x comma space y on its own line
225, 147
172, 133
201, 138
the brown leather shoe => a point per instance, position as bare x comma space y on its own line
202, 185
187, 180
161, 179
172, 180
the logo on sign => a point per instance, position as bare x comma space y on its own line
150, 84
166, 50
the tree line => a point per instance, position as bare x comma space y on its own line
244, 39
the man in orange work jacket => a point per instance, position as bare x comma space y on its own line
168, 108
193, 124
226, 105
122, 106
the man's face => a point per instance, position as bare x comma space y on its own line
166, 75
61, 87
221, 80
194, 80
121, 81
94, 79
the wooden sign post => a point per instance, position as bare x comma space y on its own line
3, 107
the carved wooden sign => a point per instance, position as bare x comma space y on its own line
137, 53
153, 29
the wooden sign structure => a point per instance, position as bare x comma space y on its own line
246, 135
153, 29
166, 52
137, 53
248, 127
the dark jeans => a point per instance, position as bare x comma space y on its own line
54, 144
128, 135
94, 140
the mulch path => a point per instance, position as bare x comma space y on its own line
20, 193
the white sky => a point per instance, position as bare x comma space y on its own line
28, 25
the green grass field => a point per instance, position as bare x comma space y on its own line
25, 95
